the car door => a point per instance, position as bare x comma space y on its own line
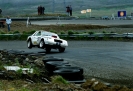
36, 38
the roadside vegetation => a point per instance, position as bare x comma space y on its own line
19, 31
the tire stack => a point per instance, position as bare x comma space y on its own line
57, 66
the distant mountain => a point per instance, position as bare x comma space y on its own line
16, 7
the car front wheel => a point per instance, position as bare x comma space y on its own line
61, 49
29, 44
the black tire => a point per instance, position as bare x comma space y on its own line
2, 74
37, 54
70, 67
48, 49
61, 49
51, 65
25, 53
51, 59
42, 44
29, 44
69, 74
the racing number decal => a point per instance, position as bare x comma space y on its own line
37, 39
35, 42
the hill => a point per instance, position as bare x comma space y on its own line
17, 7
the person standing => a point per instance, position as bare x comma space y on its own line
8, 22
70, 10
38, 9
43, 8
0, 10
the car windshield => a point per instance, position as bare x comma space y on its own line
48, 33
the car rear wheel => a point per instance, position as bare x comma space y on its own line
29, 44
41, 44
61, 49
48, 49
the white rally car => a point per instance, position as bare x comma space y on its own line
46, 40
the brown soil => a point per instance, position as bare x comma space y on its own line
21, 27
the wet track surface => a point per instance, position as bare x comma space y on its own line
100, 59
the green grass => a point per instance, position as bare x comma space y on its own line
59, 79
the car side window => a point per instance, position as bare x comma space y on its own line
38, 34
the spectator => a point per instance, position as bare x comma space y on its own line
0, 10
40, 10
8, 22
43, 8
68, 10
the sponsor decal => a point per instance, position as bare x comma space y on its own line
121, 13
